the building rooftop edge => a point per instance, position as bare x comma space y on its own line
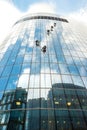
49, 16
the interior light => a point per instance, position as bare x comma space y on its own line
54, 98
56, 103
64, 122
78, 122
43, 121
72, 99
50, 121
83, 100
57, 121
18, 103
68, 104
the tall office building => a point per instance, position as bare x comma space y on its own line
43, 75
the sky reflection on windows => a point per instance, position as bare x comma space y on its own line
43, 82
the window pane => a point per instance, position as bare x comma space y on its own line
23, 81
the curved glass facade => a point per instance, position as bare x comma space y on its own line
43, 75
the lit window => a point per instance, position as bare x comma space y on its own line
18, 103
56, 103
68, 104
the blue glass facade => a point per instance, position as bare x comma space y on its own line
43, 75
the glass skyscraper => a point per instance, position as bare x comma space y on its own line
43, 75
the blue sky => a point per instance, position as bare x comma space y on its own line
12, 10
62, 6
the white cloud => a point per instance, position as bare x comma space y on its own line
8, 15
80, 15
42, 8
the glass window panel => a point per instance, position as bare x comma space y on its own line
34, 81
54, 68
4, 127
53, 58
4, 117
14, 53
73, 69
27, 58
29, 50
50, 46
82, 71
66, 52
3, 61
8, 96
71, 96
77, 81
35, 68
63, 69
25, 68
84, 61
18, 117
60, 58
84, 54
1, 70
66, 79
58, 50
1, 96
7, 71
16, 70
19, 59
47, 119
77, 119
32, 120
70, 46
30, 95
23, 81
59, 97
42, 68
38, 68
1, 56
36, 56
63, 120
37, 32
46, 67
77, 60
45, 81
3, 82
82, 94
55, 79
69, 60
45, 94
44, 58
80, 54
85, 81
73, 53
33, 98
21, 51
37, 81
11, 60
31, 82
36, 94
12, 83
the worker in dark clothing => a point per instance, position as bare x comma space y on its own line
37, 43
44, 49
48, 32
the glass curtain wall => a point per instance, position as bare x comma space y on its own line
43, 75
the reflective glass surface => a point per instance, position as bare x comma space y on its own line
43, 75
